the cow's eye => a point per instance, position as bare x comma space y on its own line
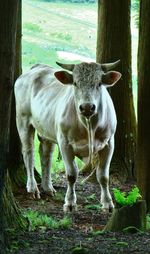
99, 84
75, 84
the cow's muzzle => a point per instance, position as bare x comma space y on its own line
87, 109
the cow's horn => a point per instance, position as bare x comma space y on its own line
68, 67
109, 66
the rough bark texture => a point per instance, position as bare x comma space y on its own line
113, 43
128, 216
8, 21
143, 153
16, 166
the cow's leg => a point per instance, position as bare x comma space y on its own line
102, 174
26, 133
71, 173
46, 150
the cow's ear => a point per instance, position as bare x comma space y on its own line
110, 78
64, 77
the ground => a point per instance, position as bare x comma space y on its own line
85, 233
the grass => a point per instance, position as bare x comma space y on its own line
93, 207
51, 27
42, 221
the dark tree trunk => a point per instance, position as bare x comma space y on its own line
16, 166
17, 169
143, 153
8, 21
113, 43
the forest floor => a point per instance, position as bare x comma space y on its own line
84, 234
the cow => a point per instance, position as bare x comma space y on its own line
65, 107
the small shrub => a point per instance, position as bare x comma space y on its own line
43, 221
91, 197
122, 199
62, 36
93, 207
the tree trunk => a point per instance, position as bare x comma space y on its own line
113, 43
128, 217
8, 21
16, 167
143, 151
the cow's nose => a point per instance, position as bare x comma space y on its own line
87, 109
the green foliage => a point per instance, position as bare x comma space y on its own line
122, 244
91, 197
43, 221
79, 249
93, 207
31, 27
123, 199
135, 4
71, 1
132, 230
62, 36
97, 232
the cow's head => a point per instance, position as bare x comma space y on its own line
88, 79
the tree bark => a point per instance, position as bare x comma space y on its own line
8, 22
133, 217
16, 167
113, 43
143, 151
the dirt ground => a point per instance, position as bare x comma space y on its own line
83, 236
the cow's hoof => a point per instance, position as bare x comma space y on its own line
68, 208
107, 207
48, 191
34, 195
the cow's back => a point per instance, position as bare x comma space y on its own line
25, 83
42, 98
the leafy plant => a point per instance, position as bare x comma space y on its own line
93, 207
91, 197
123, 199
79, 249
43, 221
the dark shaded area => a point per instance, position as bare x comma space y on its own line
87, 224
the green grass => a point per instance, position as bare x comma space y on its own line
51, 27
43, 221
93, 207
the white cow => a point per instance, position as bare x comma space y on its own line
61, 106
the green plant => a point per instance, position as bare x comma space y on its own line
43, 221
97, 232
93, 207
91, 197
124, 199
122, 244
79, 249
